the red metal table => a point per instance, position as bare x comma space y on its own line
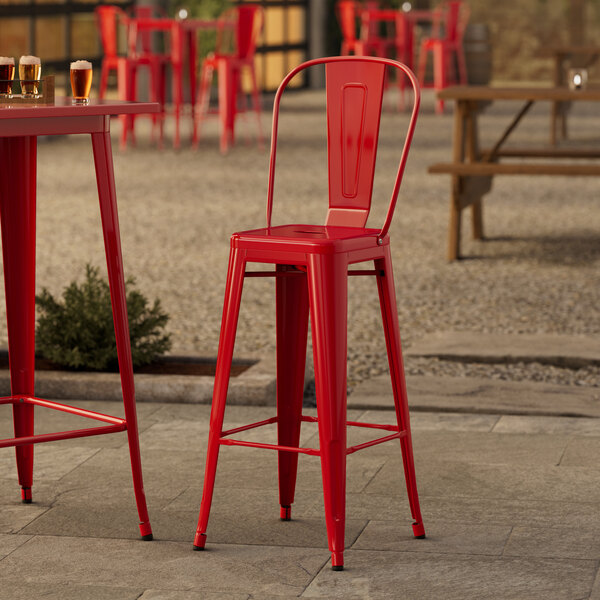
19, 128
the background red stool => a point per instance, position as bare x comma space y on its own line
446, 46
108, 19
311, 273
247, 20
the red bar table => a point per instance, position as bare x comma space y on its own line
19, 127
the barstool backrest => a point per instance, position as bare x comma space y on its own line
355, 87
107, 19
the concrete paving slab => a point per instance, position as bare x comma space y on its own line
421, 575
9, 543
257, 469
581, 452
595, 595
51, 461
483, 448
464, 479
249, 503
18, 589
555, 542
548, 425
476, 395
442, 538
474, 346
498, 511
164, 565
169, 595
476, 447
224, 527
16, 516
106, 477
44, 492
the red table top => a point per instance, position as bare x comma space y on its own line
63, 107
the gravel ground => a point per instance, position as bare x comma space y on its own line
537, 272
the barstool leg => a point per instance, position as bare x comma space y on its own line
292, 333
17, 212
387, 300
231, 310
112, 245
328, 298
203, 101
256, 102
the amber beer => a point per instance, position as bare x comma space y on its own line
7, 74
30, 69
81, 81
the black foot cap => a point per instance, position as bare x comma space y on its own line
337, 568
148, 538
420, 537
26, 500
199, 548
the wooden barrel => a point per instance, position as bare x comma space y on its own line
478, 53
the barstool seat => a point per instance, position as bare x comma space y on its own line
312, 265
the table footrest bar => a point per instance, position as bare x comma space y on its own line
310, 451
387, 438
61, 435
73, 410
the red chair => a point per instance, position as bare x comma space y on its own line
347, 14
311, 270
372, 43
108, 19
143, 25
246, 21
446, 46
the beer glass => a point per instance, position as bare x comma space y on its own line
81, 81
30, 69
7, 74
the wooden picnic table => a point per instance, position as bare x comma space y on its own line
473, 168
565, 57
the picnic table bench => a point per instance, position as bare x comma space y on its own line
473, 169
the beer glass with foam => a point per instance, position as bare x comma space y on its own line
7, 74
81, 81
30, 69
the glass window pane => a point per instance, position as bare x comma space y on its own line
14, 37
274, 26
50, 38
84, 36
296, 25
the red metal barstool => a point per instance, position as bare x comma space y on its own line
108, 18
311, 270
246, 21
446, 46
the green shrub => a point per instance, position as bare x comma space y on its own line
78, 332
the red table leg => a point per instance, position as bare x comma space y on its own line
228, 81
112, 245
17, 215
192, 49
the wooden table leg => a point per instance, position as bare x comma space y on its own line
18, 157
454, 224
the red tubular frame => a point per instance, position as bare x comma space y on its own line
311, 278
311, 451
116, 423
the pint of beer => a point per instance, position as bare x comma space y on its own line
81, 81
7, 74
30, 69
